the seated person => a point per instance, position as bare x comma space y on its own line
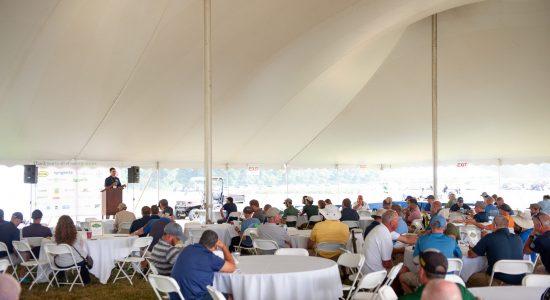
227, 209
165, 209
480, 214
272, 231
258, 212
541, 244
501, 244
65, 233
123, 216
377, 216
165, 253
402, 226
460, 205
195, 267
412, 212
10, 233
138, 223
248, 222
523, 227
378, 245
360, 204
36, 230
290, 211
348, 214
331, 230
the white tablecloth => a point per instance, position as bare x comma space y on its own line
470, 265
508, 292
272, 277
225, 231
103, 250
300, 239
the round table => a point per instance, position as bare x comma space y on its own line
225, 231
273, 277
470, 265
507, 292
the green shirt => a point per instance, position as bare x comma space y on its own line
290, 211
311, 210
417, 294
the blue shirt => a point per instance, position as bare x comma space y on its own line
481, 217
194, 270
349, 214
498, 245
440, 241
541, 245
149, 225
427, 207
402, 227
8, 234
491, 210
252, 222
524, 235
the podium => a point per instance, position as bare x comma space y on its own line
110, 199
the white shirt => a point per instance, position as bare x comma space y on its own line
378, 247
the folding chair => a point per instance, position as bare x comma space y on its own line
233, 216
351, 224
455, 266
52, 251
124, 227
354, 262
386, 293
292, 252
4, 248
264, 245
455, 278
164, 284
417, 224
249, 232
31, 263
141, 245
536, 280
392, 274
291, 221
314, 219
511, 267
4, 265
329, 247
371, 281
215, 294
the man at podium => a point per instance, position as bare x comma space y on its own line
112, 181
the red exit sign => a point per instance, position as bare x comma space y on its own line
461, 164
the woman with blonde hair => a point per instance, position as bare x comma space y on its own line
65, 233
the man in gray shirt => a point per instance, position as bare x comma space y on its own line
272, 231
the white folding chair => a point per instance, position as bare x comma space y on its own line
265, 245
52, 251
386, 293
392, 274
291, 219
215, 294
164, 284
536, 280
511, 267
455, 278
329, 247
253, 234
417, 224
233, 216
292, 252
33, 241
4, 248
354, 262
124, 227
141, 245
29, 261
315, 218
351, 224
371, 281
455, 266
4, 265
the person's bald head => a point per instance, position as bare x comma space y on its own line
9, 287
501, 222
441, 289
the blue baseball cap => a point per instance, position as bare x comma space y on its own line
438, 221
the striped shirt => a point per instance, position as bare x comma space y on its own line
164, 257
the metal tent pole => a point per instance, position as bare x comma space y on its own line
207, 113
434, 104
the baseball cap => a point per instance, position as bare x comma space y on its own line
36, 214
484, 195
17, 215
248, 210
460, 199
438, 222
412, 200
175, 229
430, 197
379, 213
434, 262
330, 212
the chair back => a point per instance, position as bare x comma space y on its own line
291, 218
142, 244
392, 274
21, 247
316, 218
536, 280
153, 269
292, 252
371, 281
455, 266
386, 293
124, 227
417, 224
251, 232
53, 250
4, 248
164, 284
329, 247
351, 260
513, 267
215, 294
351, 224
265, 245
292, 231
455, 278
33, 241
4, 265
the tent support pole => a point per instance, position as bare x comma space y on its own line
207, 113
434, 104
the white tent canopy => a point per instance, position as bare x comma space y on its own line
306, 82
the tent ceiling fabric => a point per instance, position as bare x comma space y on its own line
304, 82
